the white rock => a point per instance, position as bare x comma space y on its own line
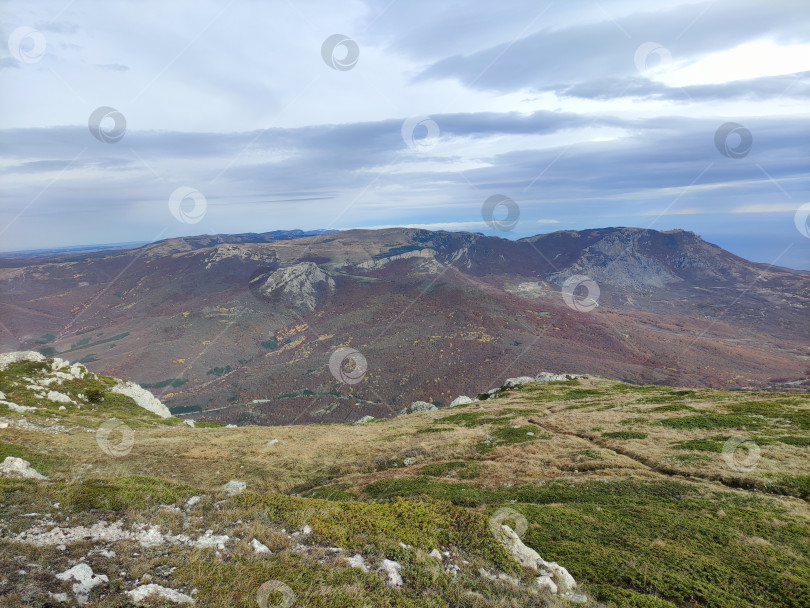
546, 582
62, 408
435, 554
526, 556
273, 442
58, 397
139, 595
23, 355
259, 547
549, 377
3, 425
17, 467
418, 406
142, 397
515, 382
462, 400
230, 426
234, 487
85, 581
409, 461
18, 408
192, 501
209, 540
565, 582
365, 419
62, 598
393, 568
58, 363
2, 395
357, 561
189, 422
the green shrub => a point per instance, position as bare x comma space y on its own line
800, 442
714, 421
625, 435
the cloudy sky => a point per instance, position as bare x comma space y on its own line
135, 121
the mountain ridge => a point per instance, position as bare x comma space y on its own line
421, 306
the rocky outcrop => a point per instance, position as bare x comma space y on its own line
142, 397
552, 576
61, 371
302, 286
22, 355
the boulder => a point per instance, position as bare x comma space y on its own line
393, 568
515, 382
259, 547
462, 400
58, 397
365, 419
140, 596
357, 561
418, 406
17, 467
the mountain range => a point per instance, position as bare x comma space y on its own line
241, 328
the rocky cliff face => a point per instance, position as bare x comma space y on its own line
302, 286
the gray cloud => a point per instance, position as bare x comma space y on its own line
605, 49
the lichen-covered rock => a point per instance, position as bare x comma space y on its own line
462, 400
20, 409
418, 406
58, 397
515, 382
142, 398
17, 467
549, 377
140, 596
392, 569
529, 558
85, 579
365, 419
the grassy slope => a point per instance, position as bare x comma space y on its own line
625, 486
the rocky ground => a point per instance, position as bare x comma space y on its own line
549, 490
